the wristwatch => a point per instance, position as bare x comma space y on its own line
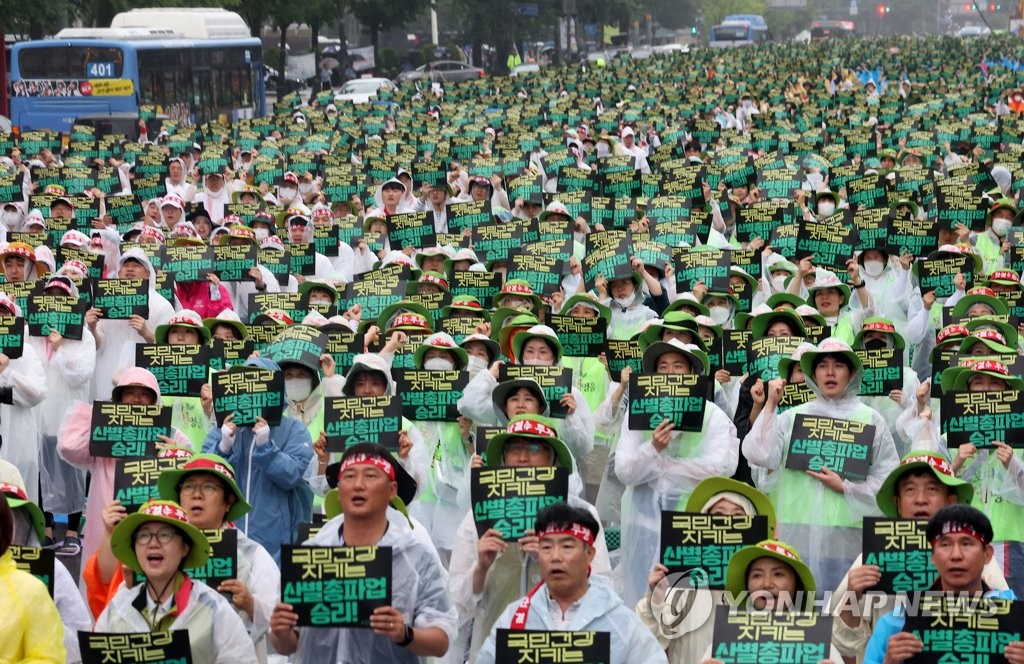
860, 285
409, 636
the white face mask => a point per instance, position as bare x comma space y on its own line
826, 208
286, 193
779, 283
719, 314
261, 233
1001, 227
873, 268
438, 364
305, 188
11, 219
318, 302
624, 302
475, 364
298, 389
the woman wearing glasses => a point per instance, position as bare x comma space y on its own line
158, 543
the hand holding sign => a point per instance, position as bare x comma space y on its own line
661, 435
829, 478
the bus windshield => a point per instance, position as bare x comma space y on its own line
71, 62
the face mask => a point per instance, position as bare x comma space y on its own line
876, 344
286, 193
305, 188
719, 314
873, 268
624, 302
826, 209
779, 283
298, 389
438, 364
11, 219
475, 364
262, 233
1001, 227
319, 302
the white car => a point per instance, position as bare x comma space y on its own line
671, 48
362, 90
974, 31
527, 68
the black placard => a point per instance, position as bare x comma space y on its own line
36, 561
622, 353
12, 336
343, 346
337, 586
793, 637
127, 430
120, 299
232, 262
351, 420
302, 259
222, 564
980, 628
135, 480
764, 354
308, 531
509, 499
979, 418
555, 381
62, 313
734, 351
150, 647
300, 344
937, 274
843, 446
709, 267
528, 645
411, 229
430, 396
902, 553
248, 393
695, 541
180, 369
580, 337
654, 398
883, 371
831, 242
188, 263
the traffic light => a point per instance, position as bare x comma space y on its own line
883, 10
992, 7
693, 30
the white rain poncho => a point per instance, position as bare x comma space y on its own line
509, 578
258, 571
22, 389
215, 631
657, 481
418, 591
599, 610
823, 525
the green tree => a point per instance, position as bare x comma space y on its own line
379, 15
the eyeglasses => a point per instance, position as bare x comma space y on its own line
206, 488
163, 536
532, 448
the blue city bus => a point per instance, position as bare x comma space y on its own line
739, 30
191, 81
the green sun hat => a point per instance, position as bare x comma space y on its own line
830, 346
164, 511
785, 299
985, 296
686, 300
786, 363
1002, 204
1009, 332
536, 332
991, 339
17, 498
493, 349
761, 322
440, 341
309, 284
247, 189
285, 217
828, 281
213, 464
940, 467
915, 210
505, 388
697, 358
184, 318
532, 427
402, 306
436, 279
678, 321
880, 324
431, 252
369, 222
464, 303
736, 572
1003, 278
230, 318
959, 378
506, 323
517, 288
590, 301
709, 488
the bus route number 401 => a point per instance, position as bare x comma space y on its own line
100, 70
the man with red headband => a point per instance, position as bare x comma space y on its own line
568, 599
421, 620
961, 539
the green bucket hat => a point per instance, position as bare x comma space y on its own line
830, 346
1009, 332
678, 321
786, 363
588, 300
711, 487
505, 388
431, 252
532, 427
493, 349
184, 318
369, 222
310, 284
940, 467
507, 323
440, 341
829, 281
464, 303
879, 324
537, 332
229, 318
17, 498
697, 358
785, 300
164, 511
915, 210
170, 481
736, 572
991, 339
761, 322
959, 378
687, 300
517, 288
1001, 204
393, 310
985, 296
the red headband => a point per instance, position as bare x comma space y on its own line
363, 459
579, 531
953, 528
